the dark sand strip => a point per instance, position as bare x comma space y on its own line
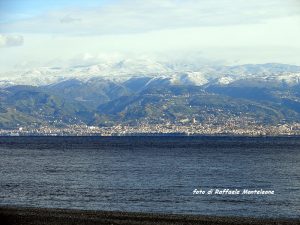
35, 216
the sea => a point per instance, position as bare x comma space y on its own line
164, 174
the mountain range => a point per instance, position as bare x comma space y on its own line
129, 93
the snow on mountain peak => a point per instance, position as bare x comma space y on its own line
127, 68
290, 78
225, 80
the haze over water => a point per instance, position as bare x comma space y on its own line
152, 174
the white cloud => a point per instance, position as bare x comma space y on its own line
69, 19
133, 16
11, 40
252, 31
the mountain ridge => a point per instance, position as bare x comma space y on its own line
271, 97
200, 74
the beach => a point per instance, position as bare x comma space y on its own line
39, 216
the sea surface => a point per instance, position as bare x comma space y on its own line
153, 174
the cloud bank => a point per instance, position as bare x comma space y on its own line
133, 16
11, 40
56, 32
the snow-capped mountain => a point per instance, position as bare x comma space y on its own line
131, 92
176, 74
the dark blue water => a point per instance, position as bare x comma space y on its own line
152, 174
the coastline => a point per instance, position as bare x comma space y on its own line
164, 135
10, 215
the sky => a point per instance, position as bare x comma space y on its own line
53, 33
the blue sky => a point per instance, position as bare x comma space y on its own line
43, 33
23, 6
12, 10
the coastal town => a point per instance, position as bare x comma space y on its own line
144, 129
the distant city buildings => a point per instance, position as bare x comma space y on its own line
230, 127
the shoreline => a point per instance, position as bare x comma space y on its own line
160, 135
13, 215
